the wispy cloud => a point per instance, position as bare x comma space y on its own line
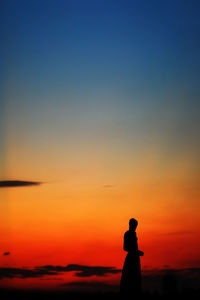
180, 232
109, 186
17, 183
24, 273
152, 278
80, 271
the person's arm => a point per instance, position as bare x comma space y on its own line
141, 253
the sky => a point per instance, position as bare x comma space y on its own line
100, 109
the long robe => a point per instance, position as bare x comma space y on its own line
131, 274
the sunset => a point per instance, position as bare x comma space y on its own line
99, 123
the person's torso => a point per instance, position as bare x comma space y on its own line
131, 242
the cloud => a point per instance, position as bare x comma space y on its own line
185, 271
88, 271
6, 253
82, 270
108, 186
180, 232
152, 279
17, 183
23, 273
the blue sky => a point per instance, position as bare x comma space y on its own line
128, 70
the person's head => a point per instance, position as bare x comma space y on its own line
133, 224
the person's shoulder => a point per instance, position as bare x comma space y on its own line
126, 233
130, 233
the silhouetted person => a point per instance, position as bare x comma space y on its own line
131, 274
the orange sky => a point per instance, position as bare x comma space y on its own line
66, 222
80, 211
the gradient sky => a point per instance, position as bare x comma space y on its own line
100, 103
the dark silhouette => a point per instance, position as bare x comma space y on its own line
170, 284
131, 274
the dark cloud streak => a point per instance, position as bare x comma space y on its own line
23, 273
152, 278
17, 183
82, 270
